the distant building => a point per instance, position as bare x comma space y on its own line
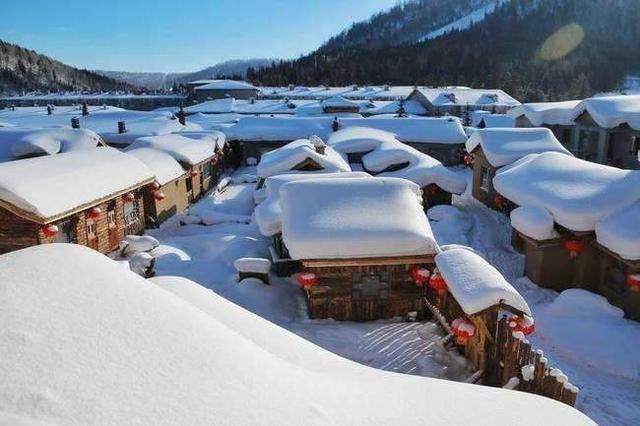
458, 101
219, 89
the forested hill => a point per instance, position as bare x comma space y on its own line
534, 49
26, 70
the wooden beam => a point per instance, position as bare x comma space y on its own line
400, 260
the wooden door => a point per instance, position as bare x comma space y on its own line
114, 238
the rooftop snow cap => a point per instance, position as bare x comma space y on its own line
546, 113
186, 150
44, 189
505, 146
318, 144
354, 218
611, 111
17, 143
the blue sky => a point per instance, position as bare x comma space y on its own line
177, 35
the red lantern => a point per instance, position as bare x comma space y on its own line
307, 279
158, 195
214, 161
499, 201
524, 324
462, 330
633, 282
574, 247
468, 160
420, 275
437, 282
129, 196
95, 212
193, 173
432, 188
154, 186
50, 230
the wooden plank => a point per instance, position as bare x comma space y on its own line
400, 260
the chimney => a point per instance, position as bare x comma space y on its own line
122, 127
75, 122
318, 144
182, 117
85, 109
49, 110
336, 125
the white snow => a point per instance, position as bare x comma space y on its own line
611, 111
18, 142
504, 146
620, 232
354, 218
163, 165
252, 264
546, 113
535, 222
441, 130
284, 159
577, 193
466, 21
492, 120
186, 150
139, 243
226, 85
278, 128
467, 98
474, 283
53, 185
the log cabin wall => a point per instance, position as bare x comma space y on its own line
16, 232
483, 174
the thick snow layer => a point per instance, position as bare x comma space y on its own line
546, 113
50, 186
535, 222
577, 193
466, 97
474, 283
620, 232
493, 120
252, 264
337, 218
19, 142
215, 139
444, 130
466, 21
226, 85
612, 111
505, 146
164, 166
268, 213
259, 129
284, 159
186, 150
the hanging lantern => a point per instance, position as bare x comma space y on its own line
462, 330
499, 201
154, 186
574, 247
432, 188
158, 195
214, 161
468, 160
420, 275
523, 324
129, 196
193, 173
633, 282
95, 212
307, 279
50, 230
437, 283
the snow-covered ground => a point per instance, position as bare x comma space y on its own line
596, 350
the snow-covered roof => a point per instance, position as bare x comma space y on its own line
118, 336
577, 193
18, 142
493, 120
442, 130
546, 113
213, 138
286, 158
226, 85
350, 92
534, 221
46, 188
382, 150
184, 149
258, 129
505, 146
611, 111
268, 213
164, 166
354, 218
339, 102
474, 283
620, 232
467, 97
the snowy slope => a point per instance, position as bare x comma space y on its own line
465, 22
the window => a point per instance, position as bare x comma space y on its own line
130, 212
111, 219
485, 178
206, 170
189, 184
65, 233
587, 144
566, 137
91, 229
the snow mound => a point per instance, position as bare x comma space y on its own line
546, 113
252, 264
620, 232
16, 142
440, 130
534, 222
139, 243
184, 149
612, 111
474, 283
163, 165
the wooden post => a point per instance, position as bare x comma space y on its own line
85, 109
49, 110
538, 372
75, 122
569, 394
122, 127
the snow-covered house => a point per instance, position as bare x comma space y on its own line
218, 89
461, 100
488, 120
379, 153
358, 241
556, 116
17, 143
495, 148
91, 197
185, 169
578, 224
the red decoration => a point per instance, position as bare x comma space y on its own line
462, 330
214, 160
574, 247
154, 186
633, 282
468, 160
193, 173
499, 201
158, 195
129, 196
95, 212
437, 282
420, 275
307, 279
432, 188
50, 230
523, 324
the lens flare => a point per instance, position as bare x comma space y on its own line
561, 43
